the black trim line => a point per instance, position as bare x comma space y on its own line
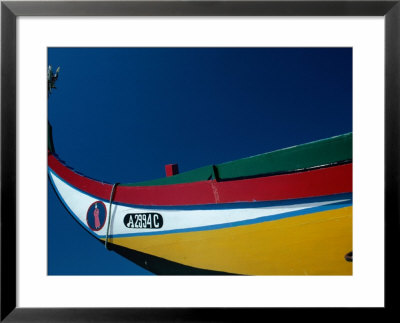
161, 266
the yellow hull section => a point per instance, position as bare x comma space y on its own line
311, 244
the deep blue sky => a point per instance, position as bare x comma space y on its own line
121, 114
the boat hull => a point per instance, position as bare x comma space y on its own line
310, 244
298, 236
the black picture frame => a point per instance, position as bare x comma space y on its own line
10, 10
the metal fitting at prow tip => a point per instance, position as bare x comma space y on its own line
51, 79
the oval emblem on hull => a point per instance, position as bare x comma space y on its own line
96, 216
143, 221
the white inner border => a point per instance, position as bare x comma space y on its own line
364, 288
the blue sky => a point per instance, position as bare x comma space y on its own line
121, 114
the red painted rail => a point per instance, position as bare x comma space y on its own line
311, 183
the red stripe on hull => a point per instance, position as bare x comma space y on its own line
319, 182
83, 183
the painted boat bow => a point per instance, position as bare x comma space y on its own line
270, 219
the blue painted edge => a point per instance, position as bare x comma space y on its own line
244, 222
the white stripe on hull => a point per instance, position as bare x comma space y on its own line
78, 204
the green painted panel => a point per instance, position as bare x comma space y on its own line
317, 153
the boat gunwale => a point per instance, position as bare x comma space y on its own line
263, 188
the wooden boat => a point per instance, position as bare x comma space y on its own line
286, 212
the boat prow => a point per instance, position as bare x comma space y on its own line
288, 212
